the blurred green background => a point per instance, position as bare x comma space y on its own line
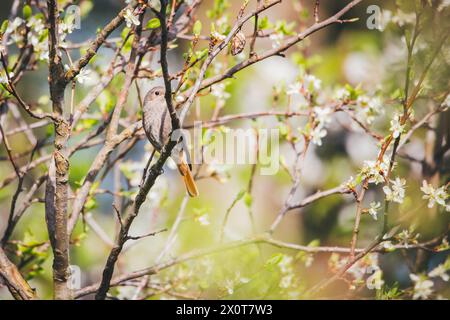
338, 55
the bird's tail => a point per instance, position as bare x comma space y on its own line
188, 179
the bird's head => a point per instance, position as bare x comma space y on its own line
155, 93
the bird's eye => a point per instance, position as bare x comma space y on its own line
157, 93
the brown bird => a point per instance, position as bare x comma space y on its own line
158, 126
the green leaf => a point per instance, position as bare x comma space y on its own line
197, 28
248, 199
201, 54
4, 26
240, 195
124, 33
264, 23
397, 94
359, 179
285, 28
91, 204
128, 44
314, 243
218, 9
274, 260
27, 12
153, 23
43, 35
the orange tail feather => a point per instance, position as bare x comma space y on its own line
188, 179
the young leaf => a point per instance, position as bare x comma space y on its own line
197, 28
4, 26
153, 23
27, 12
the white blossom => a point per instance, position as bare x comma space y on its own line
439, 271
374, 171
229, 286
406, 237
433, 195
294, 88
311, 83
323, 115
203, 219
371, 171
372, 260
367, 265
17, 22
4, 78
286, 281
285, 264
317, 134
358, 271
33, 38
388, 246
423, 287
131, 19
350, 183
219, 37
218, 170
36, 36
84, 76
218, 90
41, 50
374, 207
342, 94
15, 36
375, 281
36, 25
66, 27
308, 84
375, 105
396, 127
369, 108
396, 192
276, 39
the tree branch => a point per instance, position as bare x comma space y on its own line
16, 284
56, 193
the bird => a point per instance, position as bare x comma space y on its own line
157, 125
